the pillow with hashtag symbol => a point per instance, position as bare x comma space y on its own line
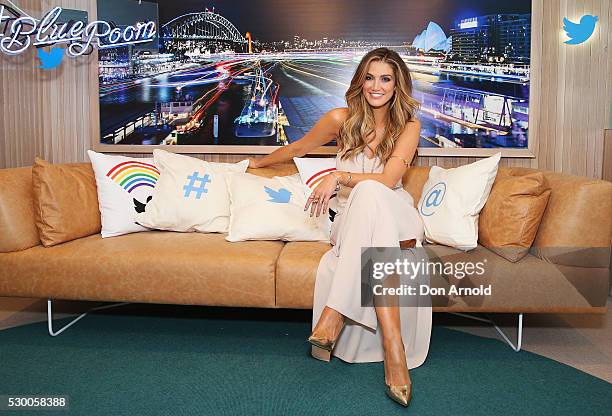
271, 209
452, 200
190, 194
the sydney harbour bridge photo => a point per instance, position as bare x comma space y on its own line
263, 72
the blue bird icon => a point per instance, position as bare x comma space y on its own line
281, 196
579, 32
51, 59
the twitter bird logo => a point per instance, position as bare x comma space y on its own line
579, 32
51, 59
281, 196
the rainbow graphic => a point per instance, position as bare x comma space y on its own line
317, 177
132, 174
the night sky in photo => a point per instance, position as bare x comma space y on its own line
385, 20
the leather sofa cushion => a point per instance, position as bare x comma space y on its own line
530, 285
153, 267
509, 221
65, 201
296, 271
17, 228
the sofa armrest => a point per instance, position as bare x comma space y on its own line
576, 229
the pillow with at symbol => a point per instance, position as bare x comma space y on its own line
452, 199
190, 194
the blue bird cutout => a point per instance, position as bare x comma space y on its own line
281, 196
51, 59
579, 32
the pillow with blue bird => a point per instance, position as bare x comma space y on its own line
271, 209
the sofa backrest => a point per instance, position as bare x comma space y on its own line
578, 215
17, 228
280, 169
414, 179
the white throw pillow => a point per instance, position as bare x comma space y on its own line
271, 209
314, 169
452, 199
191, 194
125, 185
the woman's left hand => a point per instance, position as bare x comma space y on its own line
319, 198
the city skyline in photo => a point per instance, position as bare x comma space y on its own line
385, 21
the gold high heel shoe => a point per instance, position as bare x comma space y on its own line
321, 348
400, 394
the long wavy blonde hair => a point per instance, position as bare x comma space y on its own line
360, 123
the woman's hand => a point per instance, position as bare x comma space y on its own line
319, 198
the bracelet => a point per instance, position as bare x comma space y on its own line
337, 189
338, 177
405, 161
350, 178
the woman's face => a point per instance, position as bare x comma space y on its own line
379, 84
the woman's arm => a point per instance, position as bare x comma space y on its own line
403, 152
324, 131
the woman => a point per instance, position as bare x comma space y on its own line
377, 137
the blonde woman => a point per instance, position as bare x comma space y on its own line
377, 137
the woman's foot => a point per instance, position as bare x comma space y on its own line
397, 378
325, 334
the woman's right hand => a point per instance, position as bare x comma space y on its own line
318, 201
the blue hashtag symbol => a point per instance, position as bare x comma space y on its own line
190, 187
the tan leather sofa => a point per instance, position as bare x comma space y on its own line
567, 270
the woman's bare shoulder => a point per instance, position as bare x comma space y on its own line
411, 129
414, 124
338, 115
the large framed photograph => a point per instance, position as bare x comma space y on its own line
247, 77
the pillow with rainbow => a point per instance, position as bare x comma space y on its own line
125, 186
314, 169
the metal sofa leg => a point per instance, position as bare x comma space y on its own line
519, 337
75, 320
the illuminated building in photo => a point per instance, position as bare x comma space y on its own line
492, 38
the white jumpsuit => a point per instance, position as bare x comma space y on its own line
371, 215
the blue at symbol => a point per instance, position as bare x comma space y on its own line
433, 199
190, 187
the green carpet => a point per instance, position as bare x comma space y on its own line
169, 360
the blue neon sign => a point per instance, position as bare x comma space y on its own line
19, 32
